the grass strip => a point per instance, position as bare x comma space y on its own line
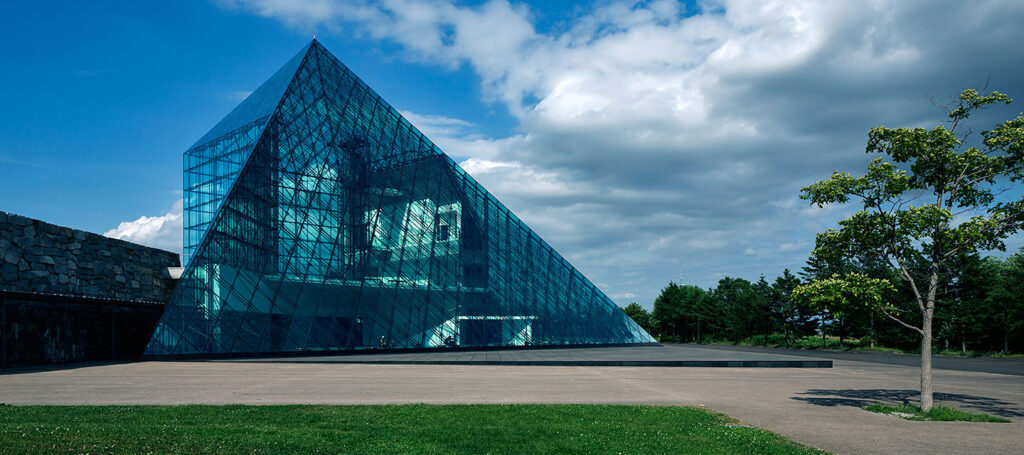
388, 429
937, 413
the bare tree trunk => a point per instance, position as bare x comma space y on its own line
872, 330
926, 342
926, 361
842, 327
785, 332
821, 326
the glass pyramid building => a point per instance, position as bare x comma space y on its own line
318, 219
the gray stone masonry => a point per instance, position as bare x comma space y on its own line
41, 257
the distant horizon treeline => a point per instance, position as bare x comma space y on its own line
982, 311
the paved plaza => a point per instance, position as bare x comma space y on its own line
815, 406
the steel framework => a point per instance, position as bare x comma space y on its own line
319, 219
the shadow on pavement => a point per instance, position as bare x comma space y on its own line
864, 397
59, 367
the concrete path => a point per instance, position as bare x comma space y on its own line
816, 406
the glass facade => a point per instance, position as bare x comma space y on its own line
324, 221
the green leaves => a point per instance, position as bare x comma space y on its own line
1008, 138
882, 182
835, 190
914, 202
845, 293
640, 316
908, 144
910, 196
970, 100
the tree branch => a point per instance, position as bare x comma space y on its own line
913, 284
904, 324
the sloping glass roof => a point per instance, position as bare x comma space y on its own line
260, 103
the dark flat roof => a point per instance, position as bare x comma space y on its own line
647, 356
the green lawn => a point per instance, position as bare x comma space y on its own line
937, 413
478, 429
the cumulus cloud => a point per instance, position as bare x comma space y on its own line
164, 231
460, 139
655, 140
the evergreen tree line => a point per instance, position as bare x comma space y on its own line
983, 310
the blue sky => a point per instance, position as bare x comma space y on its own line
101, 98
646, 141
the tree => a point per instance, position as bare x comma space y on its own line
844, 294
668, 311
694, 302
972, 313
678, 311
996, 300
794, 318
821, 265
914, 205
1013, 303
741, 307
960, 311
765, 306
640, 315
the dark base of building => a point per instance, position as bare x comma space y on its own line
621, 355
51, 329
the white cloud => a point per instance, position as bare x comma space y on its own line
436, 125
796, 246
19, 162
164, 231
239, 95
459, 139
479, 167
654, 141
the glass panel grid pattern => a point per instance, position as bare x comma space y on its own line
338, 226
210, 170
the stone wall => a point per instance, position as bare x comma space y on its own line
42, 257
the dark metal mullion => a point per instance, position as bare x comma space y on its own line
401, 261
298, 226
305, 220
430, 262
331, 198
365, 261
